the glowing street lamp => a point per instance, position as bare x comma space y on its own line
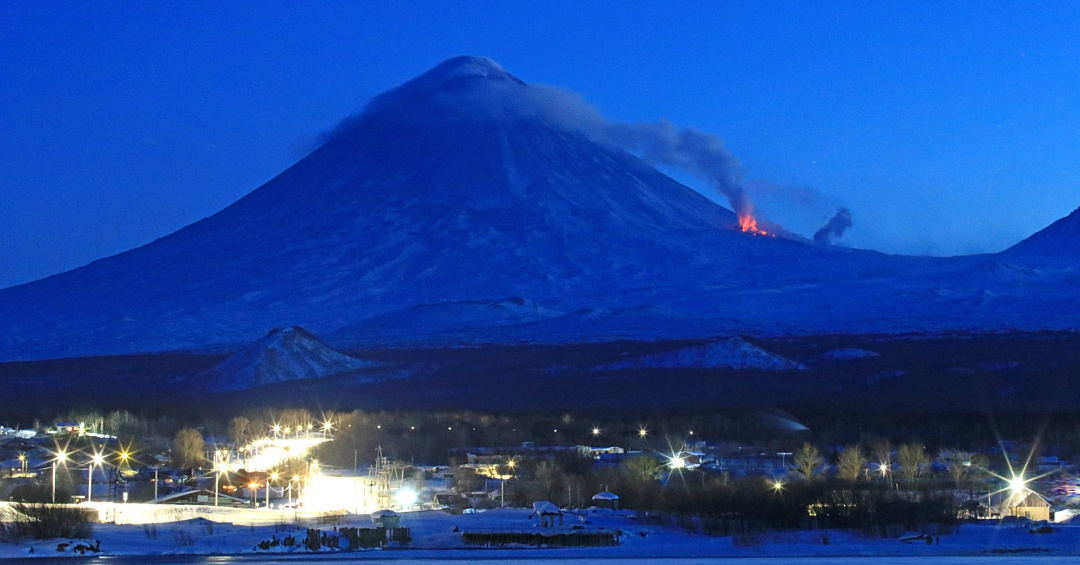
778, 485
97, 459
61, 456
276, 428
642, 432
595, 432
406, 498
22, 462
1017, 485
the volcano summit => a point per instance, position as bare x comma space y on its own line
468, 206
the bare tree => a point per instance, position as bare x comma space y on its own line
239, 428
551, 478
643, 468
957, 463
979, 471
188, 448
913, 461
851, 463
808, 461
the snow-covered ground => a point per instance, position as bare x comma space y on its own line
438, 535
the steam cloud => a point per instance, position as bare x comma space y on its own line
835, 227
695, 152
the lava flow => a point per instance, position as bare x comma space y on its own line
749, 224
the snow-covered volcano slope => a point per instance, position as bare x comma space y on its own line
284, 354
457, 187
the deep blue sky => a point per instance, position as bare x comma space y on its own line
946, 127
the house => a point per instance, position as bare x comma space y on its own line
606, 500
1027, 504
547, 512
68, 428
200, 497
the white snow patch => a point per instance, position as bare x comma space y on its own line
733, 353
284, 354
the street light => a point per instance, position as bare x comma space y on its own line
272, 476
1017, 485
295, 479
61, 456
97, 459
217, 474
22, 463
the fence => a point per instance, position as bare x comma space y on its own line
575, 539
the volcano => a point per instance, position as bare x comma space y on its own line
464, 187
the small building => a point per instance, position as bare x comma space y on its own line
199, 497
1028, 504
606, 500
68, 428
547, 512
386, 519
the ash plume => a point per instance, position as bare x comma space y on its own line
692, 151
835, 227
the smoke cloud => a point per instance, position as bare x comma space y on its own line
835, 227
695, 152
472, 90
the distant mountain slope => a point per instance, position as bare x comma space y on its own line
1058, 241
733, 353
284, 354
455, 188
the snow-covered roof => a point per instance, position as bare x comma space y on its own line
176, 495
545, 507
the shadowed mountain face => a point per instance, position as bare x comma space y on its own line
460, 188
1057, 243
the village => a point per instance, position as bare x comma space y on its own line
289, 471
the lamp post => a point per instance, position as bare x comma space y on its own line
97, 459
254, 494
271, 476
22, 463
217, 475
61, 456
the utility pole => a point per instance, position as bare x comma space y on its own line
217, 476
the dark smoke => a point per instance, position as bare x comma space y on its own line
835, 227
471, 89
695, 152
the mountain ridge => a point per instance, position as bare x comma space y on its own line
464, 185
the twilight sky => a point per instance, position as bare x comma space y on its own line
946, 127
